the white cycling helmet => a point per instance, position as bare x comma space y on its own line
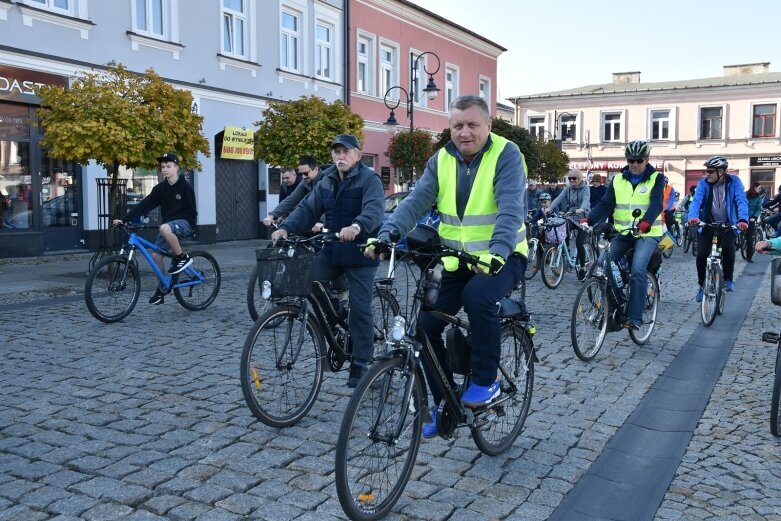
717, 162
637, 149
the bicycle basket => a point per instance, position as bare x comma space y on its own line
555, 230
290, 276
775, 281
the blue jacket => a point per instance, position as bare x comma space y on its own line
737, 206
754, 206
358, 199
607, 204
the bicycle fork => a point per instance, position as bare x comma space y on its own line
407, 407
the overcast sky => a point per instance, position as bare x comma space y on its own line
557, 44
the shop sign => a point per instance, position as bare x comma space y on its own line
238, 143
20, 84
605, 166
765, 161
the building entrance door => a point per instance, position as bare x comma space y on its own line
236, 187
60, 196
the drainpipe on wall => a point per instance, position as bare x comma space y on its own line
346, 65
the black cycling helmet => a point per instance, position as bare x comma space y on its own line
637, 149
717, 162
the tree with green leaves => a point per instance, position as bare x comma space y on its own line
306, 126
553, 163
119, 117
408, 152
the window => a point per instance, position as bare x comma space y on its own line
568, 127
363, 81
764, 121
149, 17
484, 90
611, 126
368, 160
290, 40
323, 50
388, 63
451, 86
234, 24
58, 6
710, 122
660, 125
537, 127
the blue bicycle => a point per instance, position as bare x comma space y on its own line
114, 285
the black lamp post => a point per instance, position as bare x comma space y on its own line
431, 90
550, 137
556, 116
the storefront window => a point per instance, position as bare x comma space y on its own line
140, 182
16, 195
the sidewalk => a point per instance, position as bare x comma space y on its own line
58, 275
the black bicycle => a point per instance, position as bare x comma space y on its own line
381, 429
282, 361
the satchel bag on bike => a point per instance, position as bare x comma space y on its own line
555, 230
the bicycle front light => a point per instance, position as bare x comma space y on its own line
266, 291
399, 325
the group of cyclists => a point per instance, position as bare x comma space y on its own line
478, 182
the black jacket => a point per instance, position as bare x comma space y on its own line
176, 201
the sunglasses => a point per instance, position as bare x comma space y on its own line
636, 161
573, 178
711, 171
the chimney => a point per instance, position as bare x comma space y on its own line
746, 68
621, 78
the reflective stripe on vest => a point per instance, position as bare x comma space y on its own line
629, 198
473, 232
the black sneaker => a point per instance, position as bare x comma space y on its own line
631, 326
356, 373
179, 263
158, 298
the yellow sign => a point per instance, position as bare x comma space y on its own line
238, 143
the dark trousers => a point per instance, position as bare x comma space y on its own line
775, 221
478, 294
752, 227
727, 244
360, 282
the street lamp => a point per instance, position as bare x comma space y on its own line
431, 89
550, 137
556, 116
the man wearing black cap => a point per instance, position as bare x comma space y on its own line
176, 199
352, 198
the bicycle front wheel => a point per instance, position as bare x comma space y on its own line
775, 400
379, 439
282, 366
535, 259
552, 267
384, 309
496, 428
112, 289
652, 296
710, 295
687, 240
588, 324
199, 282
677, 234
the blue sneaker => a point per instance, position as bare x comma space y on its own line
430, 428
699, 294
729, 286
478, 395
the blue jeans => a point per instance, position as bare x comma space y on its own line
478, 294
360, 282
775, 221
638, 283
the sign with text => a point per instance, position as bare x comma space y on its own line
765, 161
603, 166
385, 175
238, 143
20, 84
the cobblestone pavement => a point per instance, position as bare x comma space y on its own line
144, 419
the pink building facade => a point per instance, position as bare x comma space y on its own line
385, 38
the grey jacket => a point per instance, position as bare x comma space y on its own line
573, 198
509, 194
290, 202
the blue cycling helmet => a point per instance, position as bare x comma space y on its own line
544, 196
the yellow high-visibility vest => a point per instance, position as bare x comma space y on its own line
628, 198
473, 232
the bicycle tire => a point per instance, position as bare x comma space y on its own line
384, 309
668, 253
281, 392
198, 296
535, 259
552, 267
722, 300
590, 311
775, 399
694, 241
99, 301
677, 234
256, 304
743, 246
687, 240
650, 310
365, 489
710, 296
496, 429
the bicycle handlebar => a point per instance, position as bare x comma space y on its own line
382, 246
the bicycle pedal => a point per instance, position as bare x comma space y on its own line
770, 337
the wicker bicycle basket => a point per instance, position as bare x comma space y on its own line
290, 275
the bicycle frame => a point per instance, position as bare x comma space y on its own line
135, 242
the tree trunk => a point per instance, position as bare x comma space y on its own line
113, 202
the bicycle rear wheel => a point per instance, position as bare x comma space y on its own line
496, 428
588, 323
535, 259
384, 309
204, 273
652, 296
668, 253
775, 400
111, 292
687, 240
282, 366
552, 267
710, 295
379, 440
677, 234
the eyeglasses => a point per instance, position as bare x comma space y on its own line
711, 171
573, 178
636, 161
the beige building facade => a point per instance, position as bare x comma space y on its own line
735, 115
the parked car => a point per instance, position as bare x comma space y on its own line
392, 201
